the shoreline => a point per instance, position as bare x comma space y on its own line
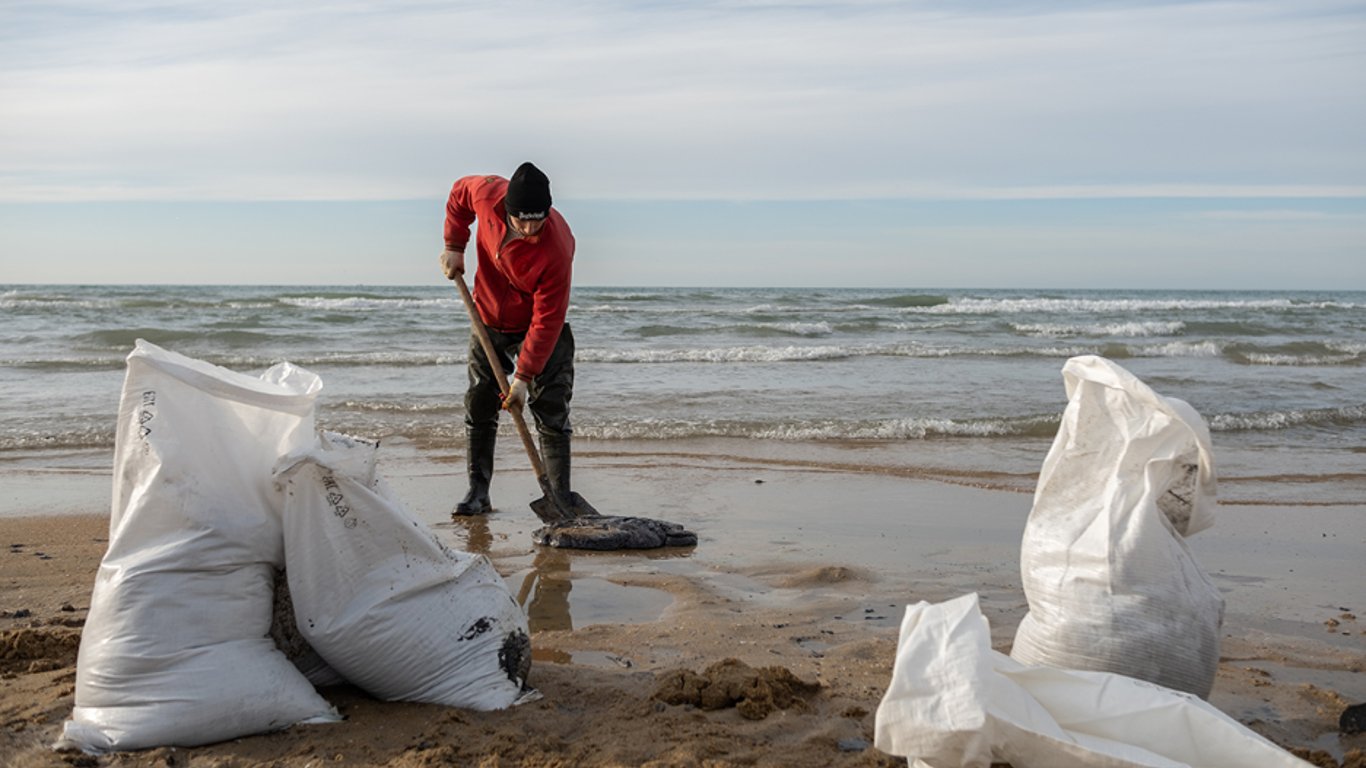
804, 562
70, 480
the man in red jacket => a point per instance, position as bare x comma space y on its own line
524, 252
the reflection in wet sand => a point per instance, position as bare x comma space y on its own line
478, 537
545, 596
545, 591
544, 588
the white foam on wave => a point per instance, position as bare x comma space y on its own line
829, 429
1179, 349
891, 429
721, 310
926, 325
814, 353
799, 329
390, 406
14, 300
964, 351
1130, 329
1269, 358
1083, 306
750, 354
630, 296
1238, 422
381, 357
1347, 347
361, 302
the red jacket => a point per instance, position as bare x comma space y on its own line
520, 287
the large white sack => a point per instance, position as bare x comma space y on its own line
284, 631
384, 602
953, 702
174, 650
1111, 583
352, 456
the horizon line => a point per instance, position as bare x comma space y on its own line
1072, 192
639, 286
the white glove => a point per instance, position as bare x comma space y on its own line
452, 263
516, 396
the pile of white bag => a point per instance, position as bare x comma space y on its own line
955, 703
1121, 641
175, 650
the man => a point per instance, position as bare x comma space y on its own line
524, 252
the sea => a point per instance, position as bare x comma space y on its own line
964, 379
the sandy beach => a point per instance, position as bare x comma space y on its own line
807, 558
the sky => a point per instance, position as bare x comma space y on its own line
941, 143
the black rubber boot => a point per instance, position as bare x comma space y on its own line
480, 465
555, 454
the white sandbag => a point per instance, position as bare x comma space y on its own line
384, 602
284, 631
953, 702
1111, 583
174, 650
352, 456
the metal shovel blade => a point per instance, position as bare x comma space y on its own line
551, 513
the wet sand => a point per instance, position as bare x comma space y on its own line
806, 560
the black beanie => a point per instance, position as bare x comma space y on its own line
528, 195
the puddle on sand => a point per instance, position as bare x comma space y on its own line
599, 659
556, 599
555, 596
554, 602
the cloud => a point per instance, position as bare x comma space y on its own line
297, 100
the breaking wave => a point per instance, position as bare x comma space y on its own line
1352, 415
1131, 329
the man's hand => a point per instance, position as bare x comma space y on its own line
452, 263
516, 396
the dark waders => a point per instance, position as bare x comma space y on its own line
548, 397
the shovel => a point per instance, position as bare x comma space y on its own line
578, 526
550, 508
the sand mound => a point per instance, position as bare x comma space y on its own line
824, 575
731, 683
37, 650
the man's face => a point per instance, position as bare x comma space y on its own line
525, 227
